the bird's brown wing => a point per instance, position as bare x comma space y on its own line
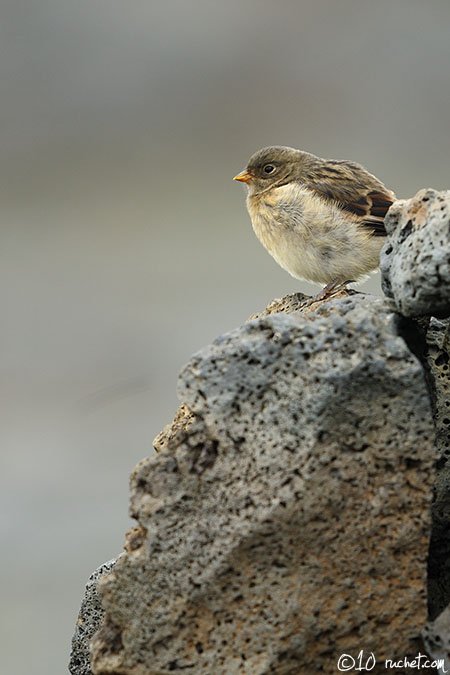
355, 189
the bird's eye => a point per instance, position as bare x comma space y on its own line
269, 168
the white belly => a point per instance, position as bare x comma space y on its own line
310, 238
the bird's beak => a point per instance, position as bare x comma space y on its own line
243, 177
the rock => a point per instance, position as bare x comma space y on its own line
285, 519
437, 362
290, 303
89, 619
415, 265
415, 261
176, 431
429, 339
436, 636
299, 302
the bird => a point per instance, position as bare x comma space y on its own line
322, 220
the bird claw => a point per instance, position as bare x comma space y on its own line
328, 291
332, 288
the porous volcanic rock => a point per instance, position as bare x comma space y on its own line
415, 261
285, 519
437, 362
436, 636
89, 619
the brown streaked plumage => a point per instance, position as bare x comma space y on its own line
321, 219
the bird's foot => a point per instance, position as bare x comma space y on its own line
327, 292
331, 288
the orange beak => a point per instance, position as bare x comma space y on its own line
243, 177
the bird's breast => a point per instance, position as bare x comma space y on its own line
287, 219
276, 213
308, 236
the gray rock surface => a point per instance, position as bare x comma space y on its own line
437, 361
89, 619
429, 339
285, 519
415, 264
436, 636
415, 261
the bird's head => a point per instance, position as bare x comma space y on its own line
271, 167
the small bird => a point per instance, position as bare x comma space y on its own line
321, 219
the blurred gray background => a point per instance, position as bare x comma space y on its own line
126, 246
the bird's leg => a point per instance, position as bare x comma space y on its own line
331, 288
327, 291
